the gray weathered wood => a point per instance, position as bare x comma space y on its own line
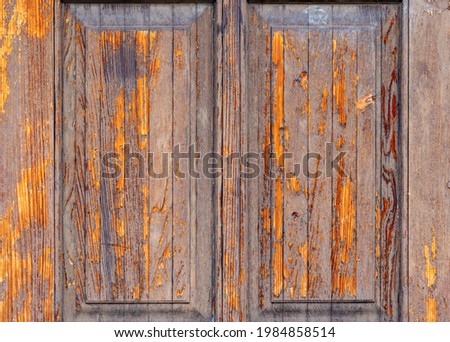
429, 158
134, 244
339, 255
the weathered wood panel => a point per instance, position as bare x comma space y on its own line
429, 161
132, 95
316, 104
233, 234
27, 256
27, 159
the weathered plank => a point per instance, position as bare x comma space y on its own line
309, 108
429, 161
294, 135
26, 187
320, 190
233, 218
260, 140
132, 237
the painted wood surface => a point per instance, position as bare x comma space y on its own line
318, 74
429, 160
27, 254
133, 237
411, 211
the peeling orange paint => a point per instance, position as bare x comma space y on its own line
17, 269
265, 214
278, 236
180, 292
277, 131
294, 184
340, 142
364, 101
278, 122
143, 109
179, 56
156, 65
431, 310
142, 43
291, 47
304, 284
339, 87
303, 251
430, 272
145, 235
304, 78
324, 108
343, 267
119, 141
34, 18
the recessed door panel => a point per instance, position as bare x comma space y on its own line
324, 95
134, 245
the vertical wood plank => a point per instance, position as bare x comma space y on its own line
161, 182
319, 254
181, 180
429, 161
390, 186
234, 272
26, 186
94, 104
260, 127
294, 132
202, 198
278, 179
73, 211
344, 258
366, 159
133, 168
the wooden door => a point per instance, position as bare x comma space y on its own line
78, 81
313, 89
137, 235
324, 112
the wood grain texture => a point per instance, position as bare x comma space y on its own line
232, 122
320, 187
390, 164
318, 80
26, 167
28, 192
429, 161
132, 87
